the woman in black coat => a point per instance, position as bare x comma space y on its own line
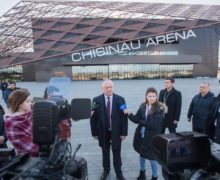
149, 119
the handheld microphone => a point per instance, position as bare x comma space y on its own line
123, 107
95, 105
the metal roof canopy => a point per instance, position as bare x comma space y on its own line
38, 30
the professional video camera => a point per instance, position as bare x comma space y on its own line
49, 113
51, 128
187, 156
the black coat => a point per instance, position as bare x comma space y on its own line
152, 125
7, 94
213, 124
119, 122
174, 104
4, 86
2, 129
199, 109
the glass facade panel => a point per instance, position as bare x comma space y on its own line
89, 72
131, 71
12, 73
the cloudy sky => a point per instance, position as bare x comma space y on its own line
5, 5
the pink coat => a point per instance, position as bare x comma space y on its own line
18, 127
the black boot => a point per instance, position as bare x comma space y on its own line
142, 175
154, 178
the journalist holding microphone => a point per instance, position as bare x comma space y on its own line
149, 119
109, 126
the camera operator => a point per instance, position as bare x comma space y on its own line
18, 123
65, 124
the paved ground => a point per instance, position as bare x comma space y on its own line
134, 93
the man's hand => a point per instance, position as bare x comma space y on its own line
122, 138
163, 107
92, 112
95, 137
2, 139
126, 111
189, 119
175, 122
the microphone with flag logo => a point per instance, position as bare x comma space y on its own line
122, 107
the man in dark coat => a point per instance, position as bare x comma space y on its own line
200, 107
4, 86
11, 87
213, 124
173, 99
109, 125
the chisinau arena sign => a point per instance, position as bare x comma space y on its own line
132, 45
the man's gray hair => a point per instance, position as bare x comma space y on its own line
107, 81
206, 83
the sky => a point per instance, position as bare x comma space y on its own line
6, 5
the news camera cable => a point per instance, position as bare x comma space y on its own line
73, 169
60, 153
63, 151
53, 167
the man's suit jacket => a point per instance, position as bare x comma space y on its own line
119, 122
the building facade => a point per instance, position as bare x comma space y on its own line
88, 41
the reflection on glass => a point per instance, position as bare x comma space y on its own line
131, 71
12, 73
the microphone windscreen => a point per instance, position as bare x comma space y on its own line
45, 115
95, 105
123, 107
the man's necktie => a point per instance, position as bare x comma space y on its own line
108, 113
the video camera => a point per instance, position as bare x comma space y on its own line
49, 113
50, 117
187, 156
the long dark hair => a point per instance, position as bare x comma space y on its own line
16, 98
152, 90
